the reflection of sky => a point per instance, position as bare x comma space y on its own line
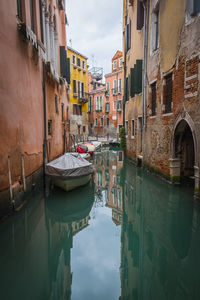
95, 259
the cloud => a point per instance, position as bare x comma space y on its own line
95, 29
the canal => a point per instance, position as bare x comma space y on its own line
126, 235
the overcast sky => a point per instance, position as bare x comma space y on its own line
95, 29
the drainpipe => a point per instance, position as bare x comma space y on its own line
45, 118
145, 56
124, 90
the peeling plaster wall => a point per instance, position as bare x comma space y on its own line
178, 52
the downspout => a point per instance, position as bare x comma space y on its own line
124, 89
145, 55
44, 118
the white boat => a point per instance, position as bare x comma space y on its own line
70, 171
96, 144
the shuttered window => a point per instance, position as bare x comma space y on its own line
62, 110
168, 93
19, 9
32, 14
140, 15
64, 64
74, 86
128, 36
136, 79
153, 99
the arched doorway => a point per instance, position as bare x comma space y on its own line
184, 150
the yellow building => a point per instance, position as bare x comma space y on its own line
78, 93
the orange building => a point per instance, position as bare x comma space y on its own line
106, 101
34, 93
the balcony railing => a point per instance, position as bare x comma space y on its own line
83, 97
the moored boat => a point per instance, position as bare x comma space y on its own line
70, 171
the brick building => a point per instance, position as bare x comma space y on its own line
170, 90
34, 93
106, 100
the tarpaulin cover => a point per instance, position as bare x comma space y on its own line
69, 165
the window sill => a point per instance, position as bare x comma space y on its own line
132, 137
167, 114
152, 117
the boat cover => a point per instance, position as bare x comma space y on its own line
69, 165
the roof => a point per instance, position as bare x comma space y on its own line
75, 51
117, 54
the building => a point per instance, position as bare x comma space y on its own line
106, 99
170, 89
133, 58
78, 93
34, 94
114, 96
96, 106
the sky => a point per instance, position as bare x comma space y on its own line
95, 30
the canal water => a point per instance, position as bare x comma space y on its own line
126, 235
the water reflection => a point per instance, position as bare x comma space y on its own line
160, 239
108, 165
64, 220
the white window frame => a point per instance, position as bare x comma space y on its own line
120, 85
121, 62
115, 64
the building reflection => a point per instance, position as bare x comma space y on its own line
64, 219
160, 239
108, 165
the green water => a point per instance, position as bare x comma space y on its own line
126, 235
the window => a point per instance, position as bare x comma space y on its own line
84, 130
83, 64
120, 62
107, 107
101, 121
67, 113
107, 87
114, 87
132, 128
128, 36
62, 110
168, 93
74, 86
49, 127
126, 127
73, 59
114, 65
56, 104
77, 109
19, 10
119, 105
101, 102
193, 7
96, 122
139, 124
90, 104
97, 103
153, 99
107, 121
78, 62
82, 90
119, 85
155, 30
32, 14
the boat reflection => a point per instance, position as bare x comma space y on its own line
65, 216
160, 239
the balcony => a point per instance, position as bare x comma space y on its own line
83, 97
107, 93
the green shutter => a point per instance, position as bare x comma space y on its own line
68, 70
64, 64
138, 76
132, 83
19, 9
